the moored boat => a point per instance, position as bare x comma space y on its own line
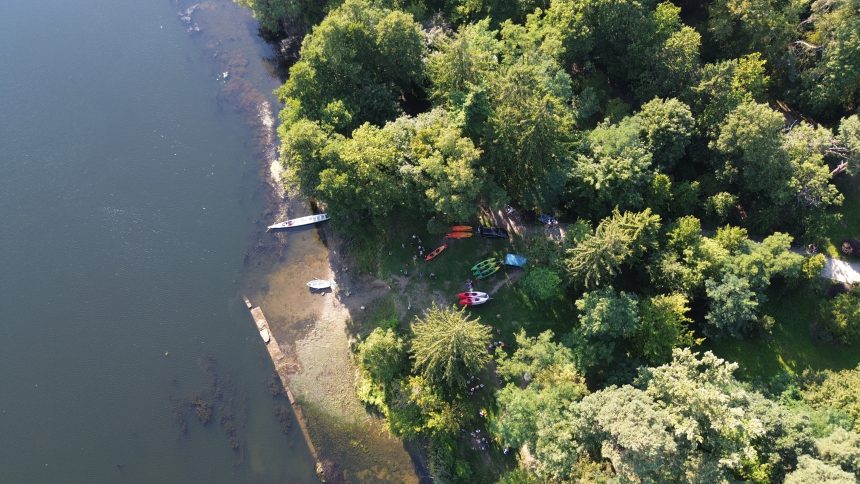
461, 228
469, 294
435, 252
298, 222
458, 235
317, 284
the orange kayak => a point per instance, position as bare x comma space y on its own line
461, 228
458, 235
436, 252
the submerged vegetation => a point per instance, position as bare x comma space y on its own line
692, 152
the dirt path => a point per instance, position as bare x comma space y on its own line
509, 279
841, 271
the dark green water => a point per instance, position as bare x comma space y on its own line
127, 203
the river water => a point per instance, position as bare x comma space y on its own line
129, 197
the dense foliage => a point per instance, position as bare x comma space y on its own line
695, 147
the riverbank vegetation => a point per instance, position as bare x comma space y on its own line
694, 152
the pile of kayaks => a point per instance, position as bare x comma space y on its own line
486, 268
459, 232
472, 298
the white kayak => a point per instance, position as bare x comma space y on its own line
321, 284
298, 222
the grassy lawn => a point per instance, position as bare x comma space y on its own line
790, 349
509, 310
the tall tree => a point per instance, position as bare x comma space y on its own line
828, 58
764, 26
606, 318
666, 126
530, 123
441, 164
462, 62
448, 347
664, 326
617, 240
541, 380
733, 307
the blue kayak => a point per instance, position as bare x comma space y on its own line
515, 260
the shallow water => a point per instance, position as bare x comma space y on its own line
129, 197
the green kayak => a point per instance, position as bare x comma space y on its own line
484, 264
487, 272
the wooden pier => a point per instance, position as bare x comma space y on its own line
279, 360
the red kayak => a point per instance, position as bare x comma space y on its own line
461, 228
436, 252
458, 235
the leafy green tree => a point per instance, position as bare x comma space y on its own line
605, 318
440, 163
542, 283
361, 182
448, 347
764, 26
666, 127
751, 137
541, 381
810, 469
617, 240
721, 205
627, 427
842, 317
830, 66
723, 87
760, 262
835, 390
750, 143
301, 153
462, 62
382, 355
733, 307
530, 123
688, 420
381, 358
670, 57
273, 15
841, 448
354, 65
664, 326
849, 143
618, 180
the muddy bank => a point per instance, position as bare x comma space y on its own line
311, 329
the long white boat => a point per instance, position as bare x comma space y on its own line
298, 222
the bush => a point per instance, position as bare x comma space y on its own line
542, 283
813, 266
842, 317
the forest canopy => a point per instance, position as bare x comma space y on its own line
697, 152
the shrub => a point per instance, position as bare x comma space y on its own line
842, 316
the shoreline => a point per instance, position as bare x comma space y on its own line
312, 332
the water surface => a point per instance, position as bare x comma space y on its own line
128, 200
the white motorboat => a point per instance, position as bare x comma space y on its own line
298, 222
321, 284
